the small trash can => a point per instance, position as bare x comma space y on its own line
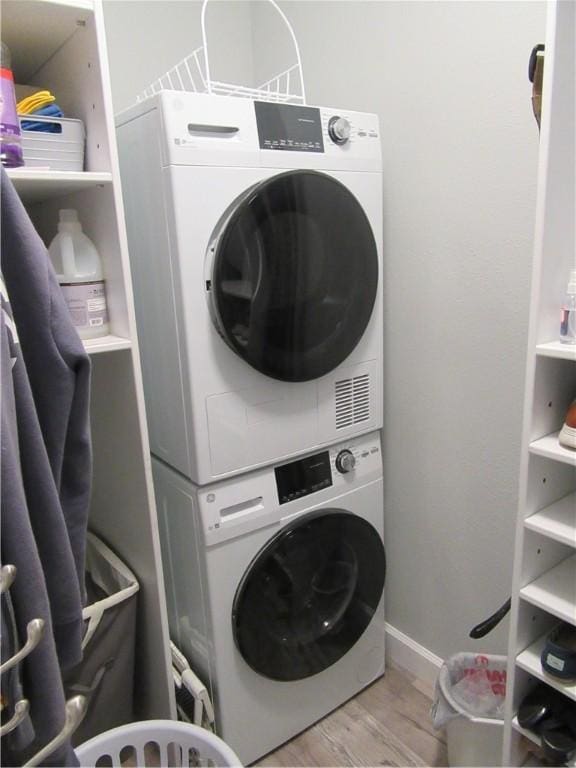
469, 702
105, 676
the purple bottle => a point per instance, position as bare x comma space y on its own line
10, 141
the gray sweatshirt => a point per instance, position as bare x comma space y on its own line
45, 472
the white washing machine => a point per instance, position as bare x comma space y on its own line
275, 587
255, 235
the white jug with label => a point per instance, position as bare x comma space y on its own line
79, 271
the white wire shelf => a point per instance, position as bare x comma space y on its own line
188, 75
192, 74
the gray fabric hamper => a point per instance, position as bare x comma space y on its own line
106, 673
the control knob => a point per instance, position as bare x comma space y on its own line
339, 129
345, 461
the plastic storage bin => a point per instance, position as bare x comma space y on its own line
470, 694
157, 742
61, 151
105, 675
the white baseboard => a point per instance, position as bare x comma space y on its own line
404, 652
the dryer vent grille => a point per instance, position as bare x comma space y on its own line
352, 401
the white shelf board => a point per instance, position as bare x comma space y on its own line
529, 661
555, 591
108, 343
549, 447
557, 521
34, 185
533, 737
557, 350
35, 29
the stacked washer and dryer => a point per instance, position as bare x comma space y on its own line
255, 234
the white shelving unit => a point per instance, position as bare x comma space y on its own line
60, 45
36, 186
544, 580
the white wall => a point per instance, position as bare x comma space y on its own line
449, 81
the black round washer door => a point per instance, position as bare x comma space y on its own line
294, 276
309, 595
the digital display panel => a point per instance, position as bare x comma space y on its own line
289, 127
302, 477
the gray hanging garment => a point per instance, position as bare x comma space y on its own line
39, 673
58, 371
46, 472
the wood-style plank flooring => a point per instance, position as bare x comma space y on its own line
388, 723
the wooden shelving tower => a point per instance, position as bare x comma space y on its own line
544, 581
60, 45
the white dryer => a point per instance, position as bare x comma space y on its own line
274, 584
255, 235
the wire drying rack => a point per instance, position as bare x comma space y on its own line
193, 74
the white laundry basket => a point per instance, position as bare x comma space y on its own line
156, 743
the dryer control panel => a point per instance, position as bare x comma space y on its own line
304, 476
339, 465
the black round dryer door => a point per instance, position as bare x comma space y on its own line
294, 276
309, 595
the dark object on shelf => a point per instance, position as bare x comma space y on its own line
552, 716
486, 626
559, 653
536, 75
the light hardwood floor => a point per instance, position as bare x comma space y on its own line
388, 723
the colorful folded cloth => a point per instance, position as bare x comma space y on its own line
36, 101
52, 110
40, 103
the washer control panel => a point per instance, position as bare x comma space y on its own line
339, 129
289, 127
258, 499
342, 130
296, 128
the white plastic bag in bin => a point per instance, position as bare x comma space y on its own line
470, 685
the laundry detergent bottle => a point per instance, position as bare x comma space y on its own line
10, 141
79, 271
